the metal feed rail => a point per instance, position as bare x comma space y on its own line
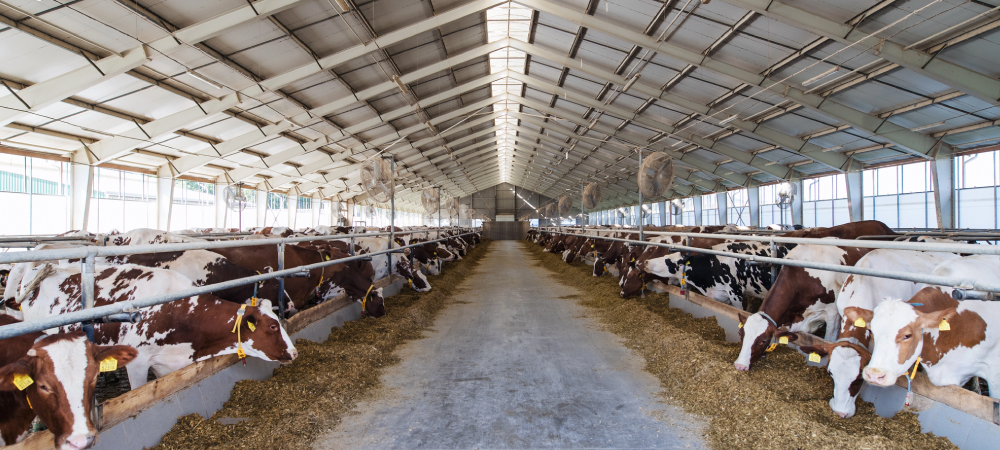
976, 249
92, 313
957, 283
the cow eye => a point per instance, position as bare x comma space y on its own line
274, 328
907, 337
44, 388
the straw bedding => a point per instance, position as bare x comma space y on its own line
310, 396
781, 403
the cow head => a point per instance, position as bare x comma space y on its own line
63, 369
267, 339
846, 358
415, 278
373, 304
756, 334
633, 281
897, 329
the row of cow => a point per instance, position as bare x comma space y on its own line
52, 376
879, 328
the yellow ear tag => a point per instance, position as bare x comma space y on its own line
783, 340
109, 364
944, 326
327, 257
814, 357
240, 353
772, 347
741, 324
253, 302
683, 282
860, 323
251, 326
22, 381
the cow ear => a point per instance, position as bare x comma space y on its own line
933, 319
820, 350
788, 334
8, 373
743, 318
124, 354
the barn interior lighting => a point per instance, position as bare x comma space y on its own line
630, 82
593, 123
830, 149
727, 119
677, 143
399, 83
203, 79
344, 5
924, 127
825, 74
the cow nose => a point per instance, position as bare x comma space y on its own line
843, 415
78, 442
294, 353
742, 367
874, 376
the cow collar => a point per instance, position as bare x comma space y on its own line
242, 355
769, 319
364, 300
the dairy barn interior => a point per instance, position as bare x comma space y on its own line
443, 224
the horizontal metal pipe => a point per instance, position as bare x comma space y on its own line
75, 253
975, 249
90, 314
962, 283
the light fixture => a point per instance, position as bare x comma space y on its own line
344, 5
825, 74
630, 82
678, 143
830, 149
399, 83
204, 80
924, 127
727, 119
593, 123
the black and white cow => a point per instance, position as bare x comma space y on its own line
722, 278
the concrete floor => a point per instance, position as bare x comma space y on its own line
514, 364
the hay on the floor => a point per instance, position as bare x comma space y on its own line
309, 397
780, 404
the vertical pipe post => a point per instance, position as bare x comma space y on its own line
281, 281
87, 285
642, 236
439, 213
392, 214
774, 267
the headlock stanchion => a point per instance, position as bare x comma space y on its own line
957, 283
91, 315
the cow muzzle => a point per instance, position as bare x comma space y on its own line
77, 443
877, 377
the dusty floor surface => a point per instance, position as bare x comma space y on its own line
513, 363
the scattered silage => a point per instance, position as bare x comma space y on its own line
780, 404
309, 397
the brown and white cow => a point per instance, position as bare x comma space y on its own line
801, 296
202, 267
856, 301
954, 340
171, 335
62, 371
299, 290
144, 236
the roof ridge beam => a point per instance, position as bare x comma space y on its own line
792, 143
